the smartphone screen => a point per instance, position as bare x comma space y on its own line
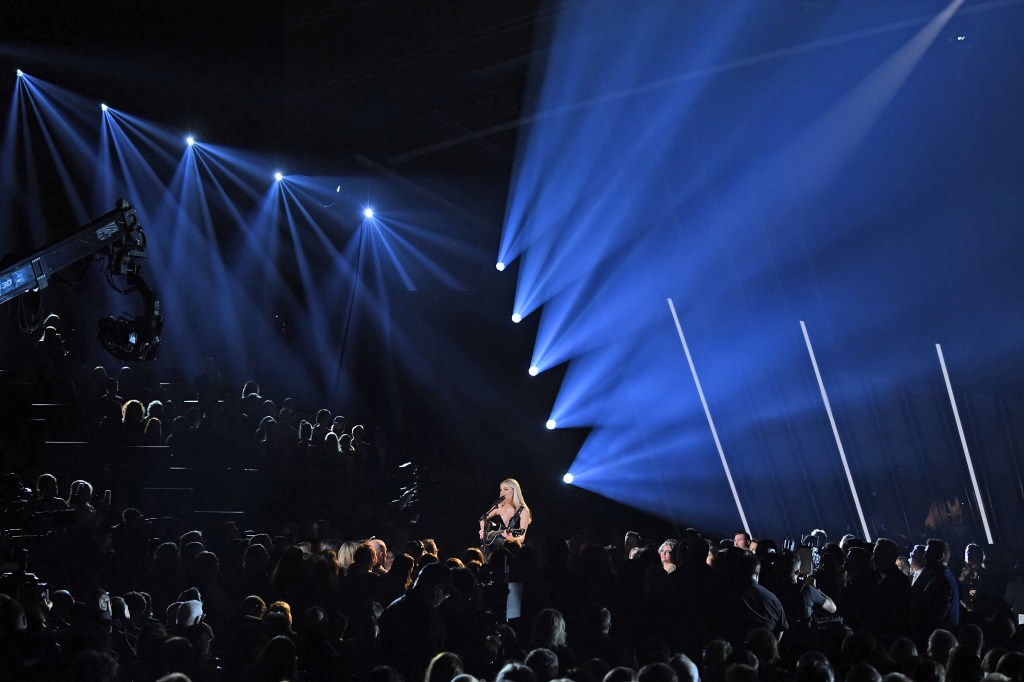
806, 560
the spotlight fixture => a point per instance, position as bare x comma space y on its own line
551, 424
20, 73
367, 212
191, 140
517, 318
499, 266
278, 176
568, 478
103, 107
533, 370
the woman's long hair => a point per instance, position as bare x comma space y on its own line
548, 630
517, 493
346, 554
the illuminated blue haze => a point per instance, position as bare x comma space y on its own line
765, 164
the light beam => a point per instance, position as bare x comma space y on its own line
835, 432
963, 442
707, 413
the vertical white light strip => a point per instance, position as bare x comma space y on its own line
963, 441
835, 432
711, 422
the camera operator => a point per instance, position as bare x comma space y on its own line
28, 647
14, 501
799, 595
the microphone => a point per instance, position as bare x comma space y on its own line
493, 506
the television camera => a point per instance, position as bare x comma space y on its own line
118, 237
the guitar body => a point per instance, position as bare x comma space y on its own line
494, 538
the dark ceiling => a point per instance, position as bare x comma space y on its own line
415, 87
412, 85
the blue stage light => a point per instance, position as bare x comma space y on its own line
103, 107
517, 318
551, 424
20, 73
568, 478
500, 266
191, 141
368, 212
534, 371
278, 176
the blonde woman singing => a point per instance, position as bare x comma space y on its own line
507, 519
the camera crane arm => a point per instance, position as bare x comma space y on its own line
119, 235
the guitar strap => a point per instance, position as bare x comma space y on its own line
514, 521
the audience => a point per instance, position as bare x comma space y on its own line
116, 595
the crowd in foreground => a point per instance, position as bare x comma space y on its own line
106, 596
95, 592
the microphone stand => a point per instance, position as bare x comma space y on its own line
493, 507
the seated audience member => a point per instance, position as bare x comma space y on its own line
666, 552
443, 667
928, 670
549, 632
713, 660
621, 673
544, 664
963, 664
991, 659
1011, 665
686, 669
46, 498
242, 634
663, 672
276, 661
741, 672
972, 577
411, 628
814, 666
515, 672
134, 419
595, 641
940, 644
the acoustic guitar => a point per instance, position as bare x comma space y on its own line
494, 538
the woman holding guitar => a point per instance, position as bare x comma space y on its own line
507, 519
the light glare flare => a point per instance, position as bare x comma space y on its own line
517, 318
103, 107
20, 73
191, 140
551, 424
500, 266
367, 212
533, 370
278, 176
568, 478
